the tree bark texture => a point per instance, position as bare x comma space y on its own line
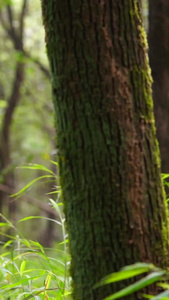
159, 62
108, 153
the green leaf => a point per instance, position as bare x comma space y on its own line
54, 192
164, 285
30, 184
146, 296
6, 254
56, 206
64, 242
127, 272
22, 267
164, 176
39, 217
48, 280
140, 265
37, 167
54, 162
163, 296
166, 183
4, 224
151, 278
30, 218
18, 283
8, 243
38, 245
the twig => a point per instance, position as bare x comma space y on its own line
22, 15
31, 200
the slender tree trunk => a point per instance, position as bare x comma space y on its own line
159, 62
6, 170
108, 153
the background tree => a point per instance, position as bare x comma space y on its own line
24, 88
108, 153
159, 62
17, 39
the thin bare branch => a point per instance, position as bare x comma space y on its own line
13, 100
19, 47
10, 19
44, 207
38, 63
10, 15
22, 16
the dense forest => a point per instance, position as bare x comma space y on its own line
84, 146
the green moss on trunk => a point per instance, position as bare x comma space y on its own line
108, 153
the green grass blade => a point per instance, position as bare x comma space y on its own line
37, 167
39, 217
4, 224
30, 184
54, 162
151, 278
55, 205
20, 282
126, 272
164, 176
22, 266
164, 295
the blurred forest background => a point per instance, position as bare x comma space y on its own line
27, 131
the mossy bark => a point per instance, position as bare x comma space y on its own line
159, 62
108, 153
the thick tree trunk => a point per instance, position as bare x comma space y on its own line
159, 62
108, 153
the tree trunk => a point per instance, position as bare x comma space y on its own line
159, 62
108, 153
6, 166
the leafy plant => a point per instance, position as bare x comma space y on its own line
50, 177
166, 184
27, 269
155, 275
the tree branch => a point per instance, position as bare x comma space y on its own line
22, 16
12, 32
38, 63
18, 45
46, 208
13, 100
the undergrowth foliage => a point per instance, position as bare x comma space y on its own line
27, 269
30, 271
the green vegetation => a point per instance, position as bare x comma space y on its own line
91, 158
30, 271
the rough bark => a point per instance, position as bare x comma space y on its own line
159, 62
108, 153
